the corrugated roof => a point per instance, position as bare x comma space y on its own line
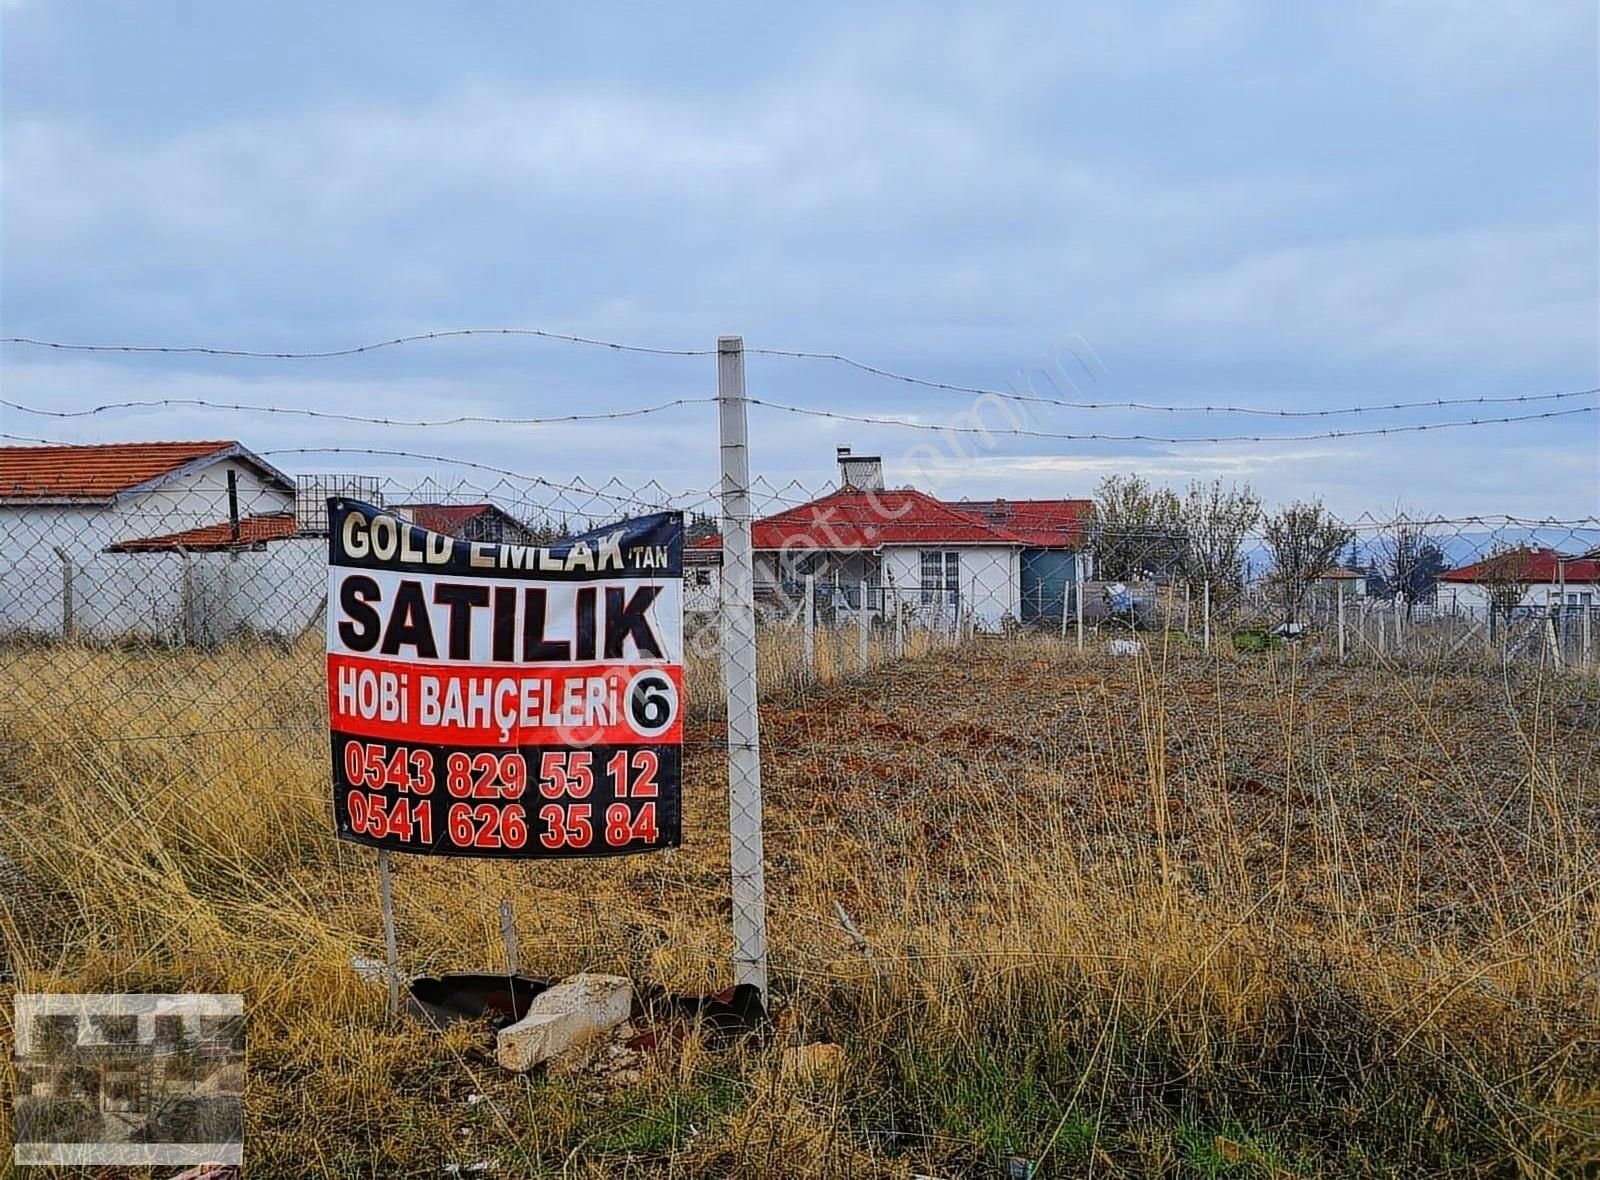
1527, 565
275, 526
100, 471
850, 519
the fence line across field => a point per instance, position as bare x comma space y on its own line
166, 572
192, 579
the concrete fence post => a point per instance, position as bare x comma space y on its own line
747, 861
808, 620
1341, 622
1077, 595
861, 629
186, 593
69, 626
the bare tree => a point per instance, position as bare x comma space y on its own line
1216, 523
1137, 530
1504, 576
1304, 540
1409, 564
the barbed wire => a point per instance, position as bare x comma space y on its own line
1040, 399
834, 357
33, 438
576, 489
365, 419
795, 494
806, 411
354, 350
1022, 432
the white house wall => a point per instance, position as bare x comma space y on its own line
989, 581
31, 569
171, 597
1472, 599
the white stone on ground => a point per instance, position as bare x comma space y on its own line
564, 1018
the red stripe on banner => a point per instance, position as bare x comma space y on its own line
489, 706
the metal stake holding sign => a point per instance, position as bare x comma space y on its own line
508, 937
504, 701
391, 954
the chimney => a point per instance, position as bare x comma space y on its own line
862, 472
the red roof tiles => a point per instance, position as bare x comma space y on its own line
1043, 524
449, 519
276, 526
851, 519
93, 472
1527, 565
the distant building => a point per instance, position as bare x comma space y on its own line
472, 522
103, 494
1525, 579
900, 550
114, 539
1342, 579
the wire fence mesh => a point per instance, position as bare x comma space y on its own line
995, 737
168, 579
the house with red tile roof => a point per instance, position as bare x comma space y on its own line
115, 492
899, 550
1525, 579
69, 514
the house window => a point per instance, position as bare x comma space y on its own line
941, 575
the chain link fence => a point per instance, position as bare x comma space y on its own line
941, 695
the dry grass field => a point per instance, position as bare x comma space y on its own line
1254, 916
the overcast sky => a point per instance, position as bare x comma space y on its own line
1288, 207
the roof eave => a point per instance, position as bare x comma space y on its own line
201, 462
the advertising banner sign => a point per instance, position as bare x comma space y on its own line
498, 700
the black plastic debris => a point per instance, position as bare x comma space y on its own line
662, 1017
448, 999
724, 1017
